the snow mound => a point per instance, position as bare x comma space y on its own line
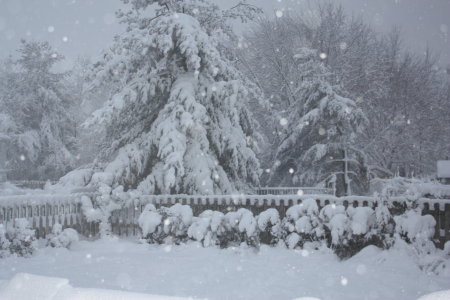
442, 295
25, 286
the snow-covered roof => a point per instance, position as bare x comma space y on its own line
443, 169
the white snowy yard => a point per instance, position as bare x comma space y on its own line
197, 272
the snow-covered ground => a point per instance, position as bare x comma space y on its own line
235, 273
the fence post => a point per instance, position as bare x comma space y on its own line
447, 223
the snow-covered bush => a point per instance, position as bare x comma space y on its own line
4, 243
211, 229
243, 227
21, 238
166, 224
335, 220
302, 224
413, 227
441, 265
269, 225
149, 220
417, 230
349, 230
60, 238
384, 222
363, 230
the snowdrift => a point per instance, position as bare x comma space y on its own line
25, 286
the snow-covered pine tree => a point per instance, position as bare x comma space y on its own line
318, 141
178, 121
41, 129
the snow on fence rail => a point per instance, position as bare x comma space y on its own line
294, 191
31, 184
42, 211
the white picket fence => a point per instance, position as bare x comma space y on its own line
43, 211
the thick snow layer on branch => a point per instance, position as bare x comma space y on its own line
268, 217
362, 219
149, 219
243, 220
207, 227
415, 226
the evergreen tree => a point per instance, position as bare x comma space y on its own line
178, 121
318, 139
36, 108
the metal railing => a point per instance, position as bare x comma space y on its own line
294, 191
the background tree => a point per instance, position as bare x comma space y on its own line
318, 141
37, 107
400, 93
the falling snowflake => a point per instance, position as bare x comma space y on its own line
323, 55
22, 157
300, 192
344, 281
283, 121
291, 171
65, 39
51, 29
279, 13
321, 131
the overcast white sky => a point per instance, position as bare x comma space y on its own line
86, 27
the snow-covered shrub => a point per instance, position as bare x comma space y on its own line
336, 224
4, 243
349, 230
417, 230
302, 224
441, 266
243, 228
149, 220
413, 227
269, 225
166, 224
60, 238
362, 231
211, 229
22, 239
384, 223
